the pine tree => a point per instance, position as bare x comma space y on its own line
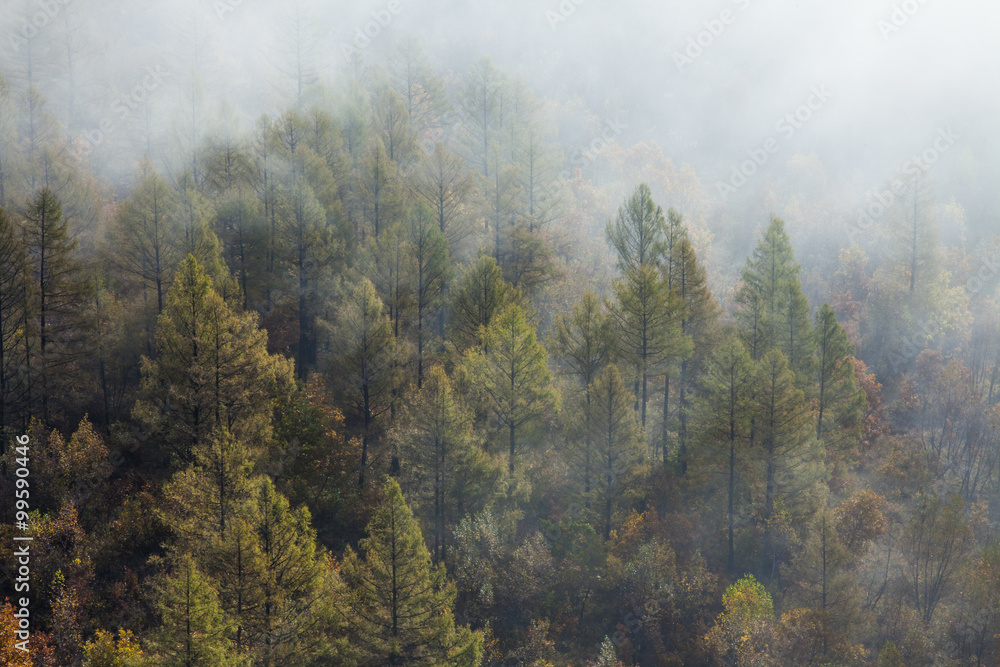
431, 272
840, 402
584, 341
617, 437
481, 294
783, 437
399, 608
699, 319
452, 475
367, 361
194, 627
55, 291
772, 311
212, 371
724, 413
511, 371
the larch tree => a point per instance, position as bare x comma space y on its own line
145, 240
723, 417
772, 312
56, 288
443, 182
840, 402
618, 442
194, 628
431, 271
584, 341
699, 319
450, 474
399, 607
511, 371
646, 316
787, 451
480, 295
212, 371
367, 361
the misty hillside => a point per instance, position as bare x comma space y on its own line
498, 333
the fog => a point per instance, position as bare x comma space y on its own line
706, 81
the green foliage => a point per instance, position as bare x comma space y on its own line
212, 371
399, 607
510, 370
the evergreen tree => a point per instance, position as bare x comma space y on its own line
772, 311
481, 294
399, 608
511, 372
617, 437
367, 361
212, 371
724, 414
194, 627
451, 474
840, 402
55, 291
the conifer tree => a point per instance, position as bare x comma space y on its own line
584, 341
788, 455
55, 291
617, 437
367, 361
453, 475
840, 402
511, 371
699, 318
212, 371
724, 412
772, 311
431, 272
646, 315
480, 295
399, 607
194, 627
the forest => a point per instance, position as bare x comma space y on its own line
428, 365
